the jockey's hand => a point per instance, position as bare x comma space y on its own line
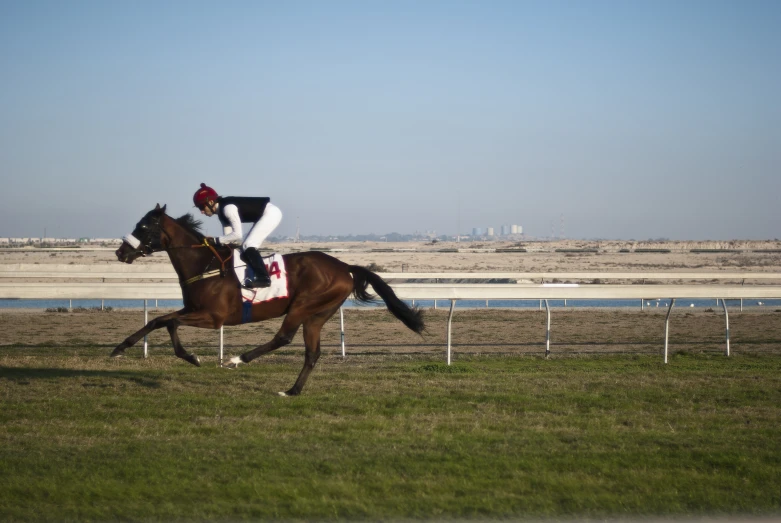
211, 240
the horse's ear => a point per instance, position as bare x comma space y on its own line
158, 208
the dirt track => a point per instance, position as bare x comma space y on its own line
377, 333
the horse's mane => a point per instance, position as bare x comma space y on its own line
191, 224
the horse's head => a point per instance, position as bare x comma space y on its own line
145, 239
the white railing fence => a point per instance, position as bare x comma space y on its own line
145, 282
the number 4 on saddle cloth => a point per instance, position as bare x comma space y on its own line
275, 265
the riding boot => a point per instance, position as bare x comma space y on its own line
255, 261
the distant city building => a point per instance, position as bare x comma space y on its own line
106, 240
66, 241
477, 231
58, 242
490, 231
510, 230
24, 241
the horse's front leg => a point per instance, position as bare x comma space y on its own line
204, 319
179, 349
172, 321
156, 323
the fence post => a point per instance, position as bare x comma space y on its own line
726, 319
221, 345
341, 324
449, 321
667, 327
547, 331
146, 351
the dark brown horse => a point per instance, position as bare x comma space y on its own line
318, 284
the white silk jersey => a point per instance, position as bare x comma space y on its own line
233, 232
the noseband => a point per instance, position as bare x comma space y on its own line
136, 244
146, 248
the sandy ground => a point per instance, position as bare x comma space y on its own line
476, 256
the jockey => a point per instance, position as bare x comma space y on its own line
232, 211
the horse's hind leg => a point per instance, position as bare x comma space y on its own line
312, 329
283, 337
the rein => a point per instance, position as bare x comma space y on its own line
203, 276
208, 274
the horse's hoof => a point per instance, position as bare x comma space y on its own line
117, 354
283, 394
193, 358
232, 363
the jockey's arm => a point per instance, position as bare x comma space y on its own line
232, 233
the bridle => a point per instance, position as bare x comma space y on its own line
152, 233
146, 246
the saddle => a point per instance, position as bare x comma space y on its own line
275, 265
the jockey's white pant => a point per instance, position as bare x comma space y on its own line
265, 226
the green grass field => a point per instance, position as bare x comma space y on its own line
83, 437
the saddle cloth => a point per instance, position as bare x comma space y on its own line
275, 265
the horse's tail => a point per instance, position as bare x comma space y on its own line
412, 317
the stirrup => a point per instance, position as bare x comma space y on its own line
256, 283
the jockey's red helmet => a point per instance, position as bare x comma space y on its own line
203, 195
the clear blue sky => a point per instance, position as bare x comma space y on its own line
633, 119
